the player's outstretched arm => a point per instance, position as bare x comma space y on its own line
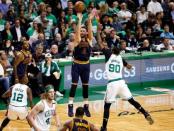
30, 97
7, 94
99, 40
93, 127
18, 58
66, 126
128, 66
90, 32
78, 29
57, 119
31, 116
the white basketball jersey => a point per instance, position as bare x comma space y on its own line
19, 95
114, 67
43, 119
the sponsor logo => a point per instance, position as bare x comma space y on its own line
165, 68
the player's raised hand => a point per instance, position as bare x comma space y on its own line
79, 15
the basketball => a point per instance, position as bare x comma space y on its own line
79, 6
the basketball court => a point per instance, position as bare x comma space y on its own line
159, 101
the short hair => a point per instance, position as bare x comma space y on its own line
116, 50
79, 111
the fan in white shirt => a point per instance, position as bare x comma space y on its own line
154, 6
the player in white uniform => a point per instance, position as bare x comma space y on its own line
17, 109
40, 116
116, 85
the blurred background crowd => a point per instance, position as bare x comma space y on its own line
49, 25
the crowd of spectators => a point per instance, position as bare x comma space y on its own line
49, 26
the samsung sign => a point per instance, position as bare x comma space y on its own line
143, 71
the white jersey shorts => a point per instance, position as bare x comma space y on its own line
15, 112
117, 88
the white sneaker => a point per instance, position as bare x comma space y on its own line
59, 94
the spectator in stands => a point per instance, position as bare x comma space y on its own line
124, 15
34, 78
18, 32
172, 17
11, 15
55, 52
139, 3
9, 50
23, 20
139, 33
71, 38
167, 33
4, 7
145, 46
112, 39
41, 7
50, 73
4, 80
52, 19
113, 8
106, 22
41, 18
32, 11
41, 40
34, 31
39, 55
6, 33
8, 68
2, 22
132, 23
71, 28
154, 6
130, 39
165, 45
116, 24
158, 23
59, 42
22, 59
70, 16
69, 50
142, 14
67, 5
123, 47
166, 11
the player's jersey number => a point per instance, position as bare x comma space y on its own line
17, 97
114, 68
48, 121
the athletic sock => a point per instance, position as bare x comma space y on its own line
138, 107
4, 123
106, 115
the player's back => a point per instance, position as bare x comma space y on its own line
80, 125
114, 67
19, 95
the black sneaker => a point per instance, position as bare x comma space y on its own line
149, 119
70, 110
103, 129
86, 110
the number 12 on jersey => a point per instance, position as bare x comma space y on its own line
17, 97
